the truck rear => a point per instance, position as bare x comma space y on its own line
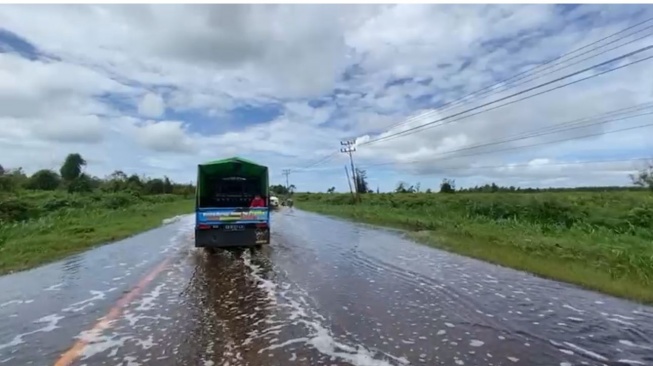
232, 204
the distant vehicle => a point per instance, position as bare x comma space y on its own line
274, 202
231, 205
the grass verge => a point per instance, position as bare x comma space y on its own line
50, 237
600, 253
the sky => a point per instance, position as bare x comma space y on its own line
157, 89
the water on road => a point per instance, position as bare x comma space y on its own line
325, 292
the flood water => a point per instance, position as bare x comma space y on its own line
325, 292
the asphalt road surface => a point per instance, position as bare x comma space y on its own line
326, 292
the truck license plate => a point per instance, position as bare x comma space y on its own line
234, 227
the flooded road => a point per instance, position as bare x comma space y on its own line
326, 292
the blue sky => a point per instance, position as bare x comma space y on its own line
131, 90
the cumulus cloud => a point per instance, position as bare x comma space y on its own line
164, 136
151, 106
336, 71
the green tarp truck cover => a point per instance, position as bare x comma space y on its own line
237, 167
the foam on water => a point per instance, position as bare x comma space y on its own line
51, 324
173, 219
55, 287
81, 305
320, 337
16, 302
184, 230
476, 343
587, 353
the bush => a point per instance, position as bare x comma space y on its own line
118, 200
81, 184
12, 210
641, 216
58, 203
45, 180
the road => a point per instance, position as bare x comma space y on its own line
326, 292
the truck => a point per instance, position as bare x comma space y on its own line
232, 204
274, 202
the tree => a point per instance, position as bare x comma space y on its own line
401, 188
2, 170
155, 186
81, 184
12, 179
361, 181
448, 186
72, 167
167, 185
331, 190
120, 175
291, 189
644, 178
134, 182
279, 189
44, 179
494, 187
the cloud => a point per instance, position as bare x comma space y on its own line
151, 106
164, 136
130, 89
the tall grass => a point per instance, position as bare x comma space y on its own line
38, 227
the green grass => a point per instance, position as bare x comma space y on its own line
41, 227
600, 241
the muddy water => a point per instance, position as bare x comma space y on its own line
326, 292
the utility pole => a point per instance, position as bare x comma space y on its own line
349, 182
349, 148
286, 172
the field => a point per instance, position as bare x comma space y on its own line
599, 240
42, 226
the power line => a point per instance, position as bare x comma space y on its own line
550, 164
557, 128
599, 117
604, 118
620, 114
550, 64
431, 124
318, 162
484, 91
536, 76
405, 132
510, 148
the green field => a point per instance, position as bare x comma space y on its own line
48, 215
40, 227
599, 240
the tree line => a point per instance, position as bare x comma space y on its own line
73, 179
281, 190
641, 180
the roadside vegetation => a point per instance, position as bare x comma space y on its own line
600, 238
50, 215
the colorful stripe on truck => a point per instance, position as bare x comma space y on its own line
232, 215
